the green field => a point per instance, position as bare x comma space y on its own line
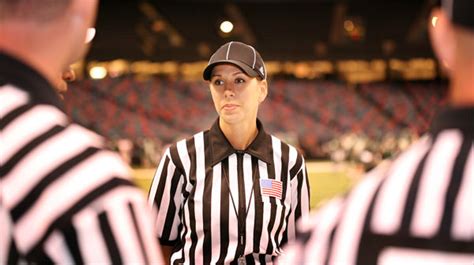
326, 180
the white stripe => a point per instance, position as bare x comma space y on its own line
56, 248
434, 182
165, 200
228, 50
291, 194
249, 195
63, 193
12, 98
262, 167
323, 224
396, 256
276, 145
115, 203
233, 220
254, 56
156, 178
199, 194
389, 205
45, 158
216, 211
145, 218
185, 160
31, 124
348, 234
463, 216
90, 238
124, 231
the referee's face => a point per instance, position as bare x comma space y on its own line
236, 95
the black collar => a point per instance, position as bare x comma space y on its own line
221, 148
19, 74
454, 117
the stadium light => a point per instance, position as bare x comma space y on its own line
226, 26
98, 72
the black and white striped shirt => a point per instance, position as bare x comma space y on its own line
63, 198
419, 209
203, 187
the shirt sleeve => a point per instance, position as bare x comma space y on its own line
299, 197
165, 195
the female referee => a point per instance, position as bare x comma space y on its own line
230, 194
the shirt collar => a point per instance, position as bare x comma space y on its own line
221, 148
19, 74
454, 117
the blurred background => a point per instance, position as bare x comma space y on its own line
352, 83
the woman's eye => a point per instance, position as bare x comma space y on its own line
218, 82
239, 80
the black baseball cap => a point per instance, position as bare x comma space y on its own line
239, 54
460, 12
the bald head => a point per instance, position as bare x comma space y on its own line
34, 10
452, 38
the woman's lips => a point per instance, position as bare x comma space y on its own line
229, 106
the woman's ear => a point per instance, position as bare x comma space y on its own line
263, 86
442, 38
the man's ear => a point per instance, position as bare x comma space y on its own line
442, 38
263, 85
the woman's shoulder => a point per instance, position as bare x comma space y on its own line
187, 140
286, 144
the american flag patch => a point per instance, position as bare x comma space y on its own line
271, 187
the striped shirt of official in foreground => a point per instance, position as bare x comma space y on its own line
63, 199
415, 210
212, 186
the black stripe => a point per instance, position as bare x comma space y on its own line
191, 208
294, 170
207, 205
32, 198
25, 150
38, 256
285, 151
271, 175
258, 223
242, 205
454, 186
67, 216
182, 212
224, 227
171, 211
300, 188
139, 233
13, 254
109, 238
161, 184
72, 242
367, 246
412, 195
12, 115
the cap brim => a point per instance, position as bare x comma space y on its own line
245, 68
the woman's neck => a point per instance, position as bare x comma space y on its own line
240, 136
